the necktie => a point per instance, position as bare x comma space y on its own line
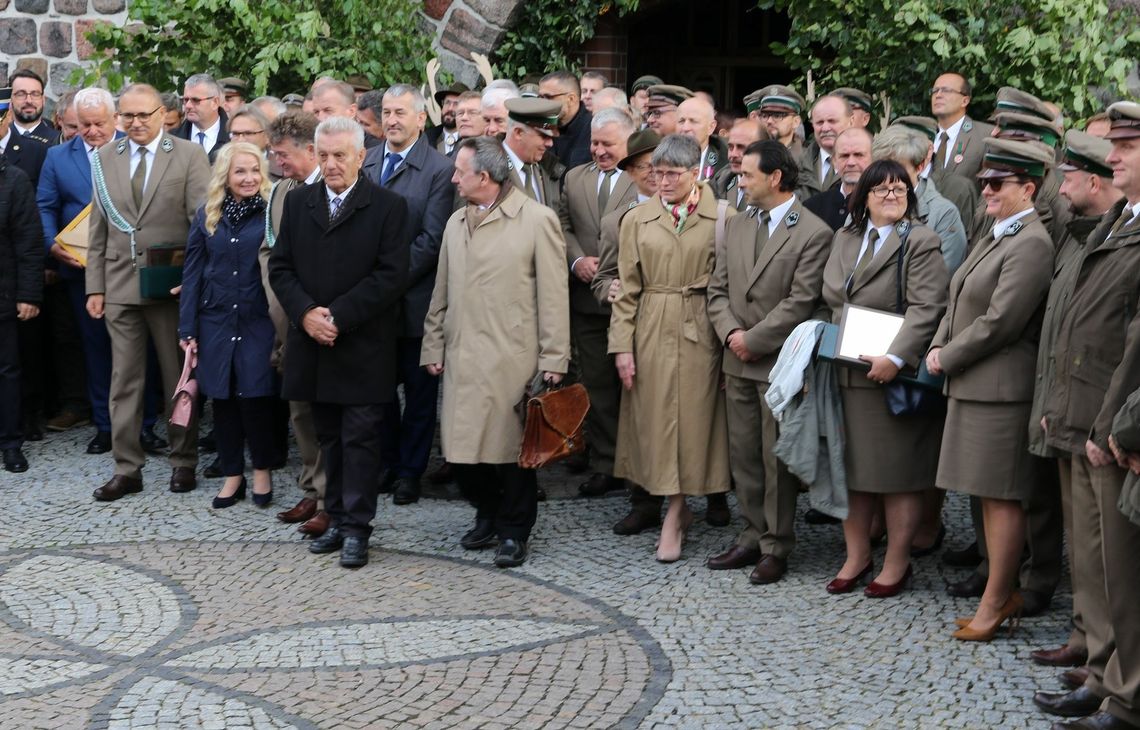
604, 191
1126, 216
864, 260
824, 169
202, 139
334, 207
534, 191
940, 156
390, 161
138, 180
761, 233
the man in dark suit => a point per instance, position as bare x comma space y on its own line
23, 151
406, 164
206, 121
345, 316
572, 147
28, 107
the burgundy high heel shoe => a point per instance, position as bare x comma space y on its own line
846, 585
879, 590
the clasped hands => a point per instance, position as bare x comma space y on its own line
318, 324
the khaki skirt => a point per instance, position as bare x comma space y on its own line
986, 450
887, 454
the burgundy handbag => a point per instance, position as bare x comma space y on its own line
185, 394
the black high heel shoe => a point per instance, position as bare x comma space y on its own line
264, 500
230, 501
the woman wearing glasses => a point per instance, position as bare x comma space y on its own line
987, 347
888, 455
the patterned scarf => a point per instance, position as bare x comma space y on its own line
236, 211
682, 211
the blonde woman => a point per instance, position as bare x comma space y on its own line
224, 319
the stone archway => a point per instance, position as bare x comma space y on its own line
460, 27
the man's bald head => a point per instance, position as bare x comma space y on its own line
696, 118
143, 90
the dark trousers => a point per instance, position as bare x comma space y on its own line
350, 447
241, 421
66, 351
11, 436
406, 439
504, 494
34, 368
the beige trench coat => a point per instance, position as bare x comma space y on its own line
672, 432
499, 312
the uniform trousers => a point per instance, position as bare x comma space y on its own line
349, 436
407, 437
1065, 475
129, 326
503, 494
590, 333
11, 435
765, 491
312, 478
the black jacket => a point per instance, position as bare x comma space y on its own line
572, 145
182, 131
830, 205
21, 242
357, 266
26, 153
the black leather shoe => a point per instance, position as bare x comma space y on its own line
1078, 703
208, 443
967, 557
152, 443
636, 522
101, 444
716, 511
33, 431
406, 491
1035, 603
214, 470
511, 554
354, 552
971, 587
329, 542
600, 484
387, 482
482, 535
230, 501
815, 517
1096, 721
14, 461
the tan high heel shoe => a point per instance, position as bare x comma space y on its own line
672, 556
1010, 611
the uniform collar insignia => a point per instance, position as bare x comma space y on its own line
39, 138
792, 219
121, 146
633, 205
712, 159
967, 125
1014, 228
166, 144
902, 228
732, 182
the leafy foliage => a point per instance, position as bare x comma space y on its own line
279, 46
546, 31
1055, 49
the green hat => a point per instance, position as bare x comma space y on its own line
359, 83
542, 114
1010, 99
293, 100
454, 90
233, 85
752, 102
529, 91
856, 97
640, 142
1008, 157
1083, 151
644, 82
667, 95
782, 98
1124, 116
1013, 125
927, 126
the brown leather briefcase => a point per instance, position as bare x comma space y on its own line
553, 428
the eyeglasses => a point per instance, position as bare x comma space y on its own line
240, 135
775, 115
550, 97
995, 183
945, 90
642, 167
128, 118
19, 95
882, 192
660, 112
667, 176
196, 99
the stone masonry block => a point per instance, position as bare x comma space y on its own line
496, 12
55, 39
32, 6
61, 77
109, 7
466, 32
17, 36
71, 7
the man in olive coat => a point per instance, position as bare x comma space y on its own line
345, 316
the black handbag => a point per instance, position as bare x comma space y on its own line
905, 398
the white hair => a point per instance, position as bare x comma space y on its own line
614, 115
498, 96
341, 125
503, 84
205, 80
93, 97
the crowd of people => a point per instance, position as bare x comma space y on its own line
335, 270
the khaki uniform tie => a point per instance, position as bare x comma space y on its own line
864, 260
535, 192
604, 191
1126, 216
138, 180
940, 156
761, 233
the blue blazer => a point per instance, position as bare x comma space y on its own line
65, 188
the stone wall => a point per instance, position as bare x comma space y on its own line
49, 36
458, 27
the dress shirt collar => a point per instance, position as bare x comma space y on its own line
778, 214
211, 134
1003, 225
342, 195
151, 147
314, 176
884, 233
952, 133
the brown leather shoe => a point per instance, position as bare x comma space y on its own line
316, 525
303, 510
737, 556
1063, 657
1074, 678
1101, 720
119, 487
636, 522
769, 570
182, 479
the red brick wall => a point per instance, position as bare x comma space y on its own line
607, 52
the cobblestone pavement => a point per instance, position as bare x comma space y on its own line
156, 611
